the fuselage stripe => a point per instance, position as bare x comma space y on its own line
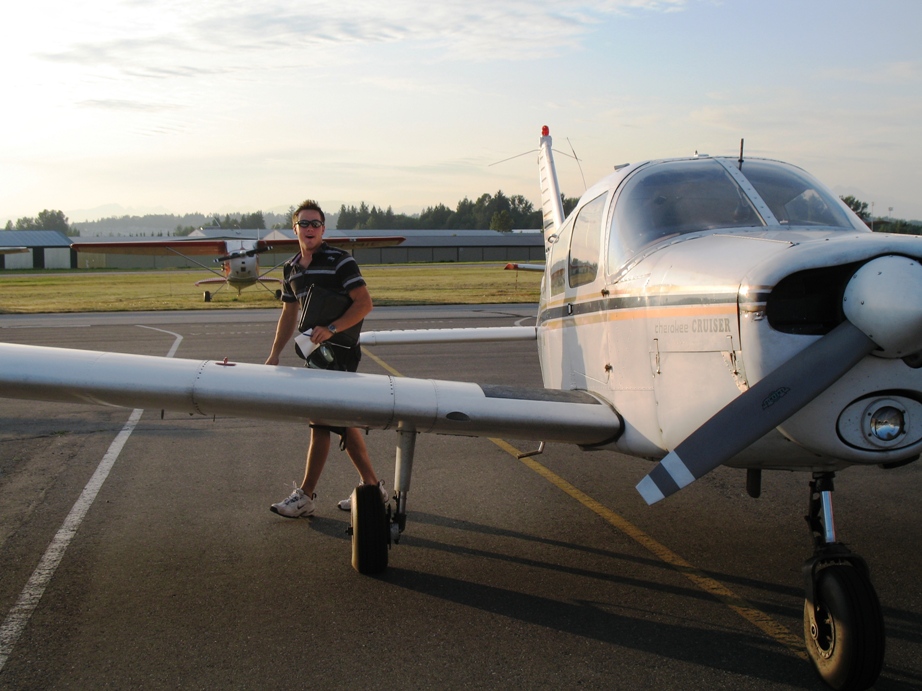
628, 307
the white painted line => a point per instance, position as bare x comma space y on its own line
164, 331
18, 617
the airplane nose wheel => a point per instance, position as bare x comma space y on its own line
843, 623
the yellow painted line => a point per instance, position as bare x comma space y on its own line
387, 367
701, 580
754, 616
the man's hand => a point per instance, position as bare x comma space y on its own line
319, 334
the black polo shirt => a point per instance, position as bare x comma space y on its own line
330, 268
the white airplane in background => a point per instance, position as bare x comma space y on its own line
697, 312
240, 258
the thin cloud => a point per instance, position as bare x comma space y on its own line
901, 72
217, 32
114, 104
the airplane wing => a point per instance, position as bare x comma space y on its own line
348, 243
13, 250
352, 243
426, 336
295, 393
154, 247
524, 267
222, 281
218, 247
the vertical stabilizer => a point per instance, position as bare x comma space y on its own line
551, 205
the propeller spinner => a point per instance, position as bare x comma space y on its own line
259, 249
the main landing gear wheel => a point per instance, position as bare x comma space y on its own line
207, 296
370, 530
844, 632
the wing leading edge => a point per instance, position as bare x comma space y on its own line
154, 247
212, 247
372, 401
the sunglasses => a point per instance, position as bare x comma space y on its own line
310, 224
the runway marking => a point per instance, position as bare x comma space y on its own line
379, 361
701, 580
18, 617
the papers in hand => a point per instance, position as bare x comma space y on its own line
303, 341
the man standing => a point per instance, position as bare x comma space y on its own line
335, 270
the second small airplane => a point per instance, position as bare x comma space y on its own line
239, 257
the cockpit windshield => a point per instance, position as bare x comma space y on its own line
794, 197
675, 198
672, 198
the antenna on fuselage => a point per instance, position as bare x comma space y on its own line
741, 153
578, 164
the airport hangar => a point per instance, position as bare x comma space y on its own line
50, 249
46, 249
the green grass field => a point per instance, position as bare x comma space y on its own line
36, 292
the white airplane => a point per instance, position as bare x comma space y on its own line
239, 258
695, 312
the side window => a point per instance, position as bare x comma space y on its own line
558, 260
585, 243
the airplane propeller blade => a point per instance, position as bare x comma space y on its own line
259, 249
757, 411
883, 314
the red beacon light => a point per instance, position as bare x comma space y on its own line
545, 131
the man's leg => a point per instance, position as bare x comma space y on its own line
301, 501
358, 452
317, 454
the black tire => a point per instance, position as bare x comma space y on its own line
278, 294
207, 296
369, 531
845, 640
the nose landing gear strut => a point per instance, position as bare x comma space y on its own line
843, 624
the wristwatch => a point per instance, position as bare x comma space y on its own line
332, 328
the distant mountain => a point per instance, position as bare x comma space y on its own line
163, 225
79, 216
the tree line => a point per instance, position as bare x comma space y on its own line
46, 219
881, 225
494, 212
255, 220
488, 212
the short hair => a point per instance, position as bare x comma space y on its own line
308, 205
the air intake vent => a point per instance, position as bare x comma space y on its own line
809, 302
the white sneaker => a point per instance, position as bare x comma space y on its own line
297, 504
346, 504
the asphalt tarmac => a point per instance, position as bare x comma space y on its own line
550, 572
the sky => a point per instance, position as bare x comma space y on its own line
117, 107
